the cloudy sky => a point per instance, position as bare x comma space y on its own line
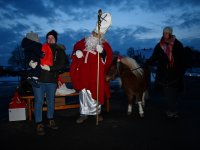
135, 23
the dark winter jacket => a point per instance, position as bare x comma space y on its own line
167, 75
59, 65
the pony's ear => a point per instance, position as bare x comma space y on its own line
119, 58
115, 58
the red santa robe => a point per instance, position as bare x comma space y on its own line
83, 71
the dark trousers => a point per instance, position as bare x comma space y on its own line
172, 95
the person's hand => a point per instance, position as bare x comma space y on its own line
99, 48
45, 67
79, 54
33, 64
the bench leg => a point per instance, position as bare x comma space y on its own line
29, 109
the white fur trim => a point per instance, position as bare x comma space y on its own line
79, 54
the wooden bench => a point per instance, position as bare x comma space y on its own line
66, 78
30, 98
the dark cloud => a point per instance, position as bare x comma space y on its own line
47, 8
13, 13
77, 10
82, 10
9, 40
27, 7
119, 38
123, 38
190, 20
185, 20
141, 30
163, 5
7, 36
70, 37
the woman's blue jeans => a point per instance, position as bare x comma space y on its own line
45, 90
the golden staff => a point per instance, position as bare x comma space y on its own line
99, 25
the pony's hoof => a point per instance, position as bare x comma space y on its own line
129, 113
142, 115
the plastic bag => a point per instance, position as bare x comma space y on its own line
63, 90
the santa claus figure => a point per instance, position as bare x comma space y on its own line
91, 58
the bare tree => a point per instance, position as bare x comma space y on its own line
18, 59
131, 52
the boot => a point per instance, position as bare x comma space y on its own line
82, 118
172, 114
40, 129
52, 125
100, 117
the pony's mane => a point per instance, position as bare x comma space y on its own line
133, 65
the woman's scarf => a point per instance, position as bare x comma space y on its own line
167, 48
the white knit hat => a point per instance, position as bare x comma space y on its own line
168, 29
106, 21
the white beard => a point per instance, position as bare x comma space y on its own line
91, 43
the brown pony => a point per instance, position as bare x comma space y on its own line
134, 78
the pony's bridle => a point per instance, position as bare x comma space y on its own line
134, 69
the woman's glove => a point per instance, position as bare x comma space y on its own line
79, 54
99, 48
45, 67
33, 64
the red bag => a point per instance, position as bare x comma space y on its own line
16, 102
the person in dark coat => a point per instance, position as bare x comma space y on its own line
33, 53
168, 55
53, 63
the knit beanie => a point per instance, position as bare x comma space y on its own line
168, 29
54, 33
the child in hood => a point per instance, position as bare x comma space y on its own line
33, 54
